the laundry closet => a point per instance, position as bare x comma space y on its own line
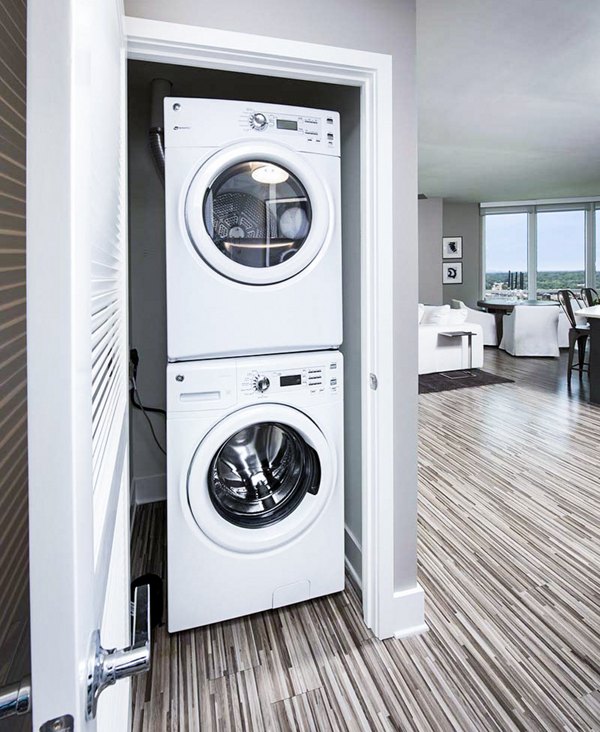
253, 355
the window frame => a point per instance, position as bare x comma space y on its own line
591, 246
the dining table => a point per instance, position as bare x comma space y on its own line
593, 316
500, 307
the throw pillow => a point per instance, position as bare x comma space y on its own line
457, 305
436, 315
456, 317
421, 311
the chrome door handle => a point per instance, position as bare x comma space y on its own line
15, 698
106, 667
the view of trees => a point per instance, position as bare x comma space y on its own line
560, 280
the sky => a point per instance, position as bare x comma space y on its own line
560, 236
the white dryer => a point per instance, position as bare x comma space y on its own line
253, 233
254, 484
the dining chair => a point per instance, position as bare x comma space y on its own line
531, 331
590, 296
578, 333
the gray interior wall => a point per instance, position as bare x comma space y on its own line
462, 219
385, 26
431, 211
147, 265
14, 564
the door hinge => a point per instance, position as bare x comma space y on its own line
373, 383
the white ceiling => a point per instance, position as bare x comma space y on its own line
509, 98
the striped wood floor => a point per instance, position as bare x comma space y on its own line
509, 534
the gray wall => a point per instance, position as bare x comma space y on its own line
462, 219
147, 265
431, 211
14, 565
385, 26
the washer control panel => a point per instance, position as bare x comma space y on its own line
317, 380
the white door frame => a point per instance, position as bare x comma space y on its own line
385, 611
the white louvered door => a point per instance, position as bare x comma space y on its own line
77, 354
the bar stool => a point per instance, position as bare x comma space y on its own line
589, 296
578, 333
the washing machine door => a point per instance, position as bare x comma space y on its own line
260, 478
258, 212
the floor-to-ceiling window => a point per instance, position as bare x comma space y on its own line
560, 252
505, 236
531, 250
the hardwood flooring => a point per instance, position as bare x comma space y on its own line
509, 534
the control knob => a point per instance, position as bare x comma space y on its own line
261, 384
258, 121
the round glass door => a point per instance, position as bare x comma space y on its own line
257, 213
261, 474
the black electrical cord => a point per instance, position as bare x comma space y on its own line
135, 393
139, 405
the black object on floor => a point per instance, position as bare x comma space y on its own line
156, 596
429, 383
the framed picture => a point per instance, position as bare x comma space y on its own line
452, 273
452, 247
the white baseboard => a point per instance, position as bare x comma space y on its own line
409, 612
353, 555
148, 489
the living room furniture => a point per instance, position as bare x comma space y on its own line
499, 307
531, 331
578, 332
441, 353
593, 316
590, 297
487, 321
461, 334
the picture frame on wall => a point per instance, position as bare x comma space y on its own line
452, 273
452, 247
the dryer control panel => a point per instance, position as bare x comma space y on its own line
321, 130
218, 122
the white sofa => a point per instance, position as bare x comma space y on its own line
487, 321
440, 353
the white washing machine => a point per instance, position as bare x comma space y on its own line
254, 484
253, 233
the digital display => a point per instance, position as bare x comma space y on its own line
292, 380
287, 124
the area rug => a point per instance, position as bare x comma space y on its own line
446, 381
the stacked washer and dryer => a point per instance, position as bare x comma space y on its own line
254, 382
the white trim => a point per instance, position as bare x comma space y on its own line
409, 605
173, 43
539, 202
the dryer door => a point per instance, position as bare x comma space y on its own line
258, 213
260, 478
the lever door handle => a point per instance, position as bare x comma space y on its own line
106, 667
15, 698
